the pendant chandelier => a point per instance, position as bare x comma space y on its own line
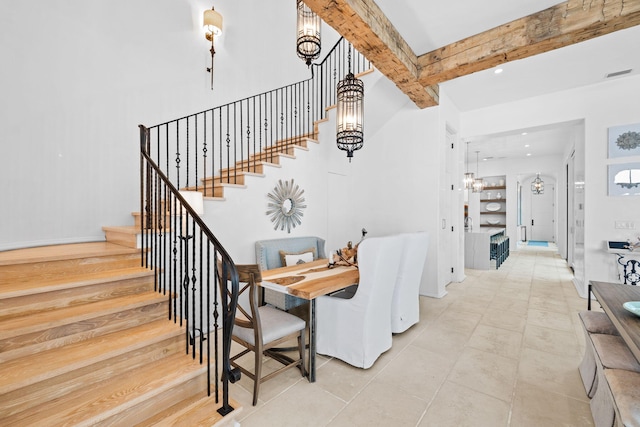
537, 185
468, 176
350, 113
308, 38
478, 183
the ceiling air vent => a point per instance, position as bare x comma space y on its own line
618, 73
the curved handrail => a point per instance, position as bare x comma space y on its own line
155, 226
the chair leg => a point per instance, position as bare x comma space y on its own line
301, 350
257, 374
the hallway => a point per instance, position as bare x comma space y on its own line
501, 349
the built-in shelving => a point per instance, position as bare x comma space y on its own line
493, 203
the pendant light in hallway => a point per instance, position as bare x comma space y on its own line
478, 183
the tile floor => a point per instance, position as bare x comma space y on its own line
501, 349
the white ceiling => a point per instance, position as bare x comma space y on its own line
427, 25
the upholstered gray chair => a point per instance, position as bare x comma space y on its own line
269, 255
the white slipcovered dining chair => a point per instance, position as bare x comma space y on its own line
405, 306
358, 330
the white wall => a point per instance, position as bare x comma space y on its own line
78, 78
601, 106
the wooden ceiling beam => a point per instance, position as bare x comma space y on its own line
372, 34
567, 23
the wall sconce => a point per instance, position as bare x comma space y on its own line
350, 113
468, 176
212, 22
308, 40
478, 183
537, 185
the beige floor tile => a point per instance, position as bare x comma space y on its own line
457, 319
513, 305
515, 292
535, 407
343, 380
550, 319
548, 304
498, 341
417, 372
304, 404
552, 372
445, 342
505, 319
551, 341
468, 304
381, 404
485, 372
459, 406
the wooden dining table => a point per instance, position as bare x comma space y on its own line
309, 281
611, 297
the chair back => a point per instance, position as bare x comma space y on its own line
358, 330
268, 251
247, 313
378, 264
405, 307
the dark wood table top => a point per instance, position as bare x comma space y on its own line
611, 296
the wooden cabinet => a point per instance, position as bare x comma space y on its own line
493, 202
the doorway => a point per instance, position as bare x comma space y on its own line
543, 214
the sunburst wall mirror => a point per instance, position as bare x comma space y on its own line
285, 206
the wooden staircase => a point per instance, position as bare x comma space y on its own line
255, 165
213, 187
86, 341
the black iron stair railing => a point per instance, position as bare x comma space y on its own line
231, 139
239, 136
183, 251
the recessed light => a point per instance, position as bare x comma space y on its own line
527, 146
528, 154
524, 133
498, 70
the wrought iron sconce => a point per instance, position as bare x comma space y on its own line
212, 22
308, 39
537, 185
350, 113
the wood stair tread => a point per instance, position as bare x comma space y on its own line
63, 316
62, 252
127, 229
16, 288
108, 398
198, 411
28, 370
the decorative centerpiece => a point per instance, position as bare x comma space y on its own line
348, 255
